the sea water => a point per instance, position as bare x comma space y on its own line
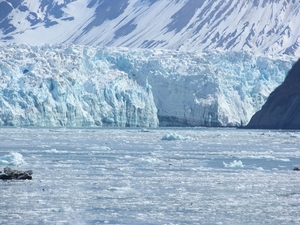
151, 176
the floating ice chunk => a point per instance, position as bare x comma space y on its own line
283, 159
62, 209
234, 164
13, 159
104, 148
121, 192
171, 136
53, 150
144, 130
267, 157
101, 148
151, 160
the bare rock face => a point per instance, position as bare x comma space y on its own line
10, 174
282, 109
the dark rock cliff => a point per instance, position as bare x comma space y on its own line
282, 109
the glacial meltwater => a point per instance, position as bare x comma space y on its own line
151, 176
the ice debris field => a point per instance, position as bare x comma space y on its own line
151, 176
80, 86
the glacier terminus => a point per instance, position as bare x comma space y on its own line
85, 86
108, 106
142, 63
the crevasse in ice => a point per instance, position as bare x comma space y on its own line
70, 85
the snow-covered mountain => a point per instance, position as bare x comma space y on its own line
71, 85
261, 26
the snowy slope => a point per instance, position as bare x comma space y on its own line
71, 85
260, 26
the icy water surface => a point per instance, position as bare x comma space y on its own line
159, 176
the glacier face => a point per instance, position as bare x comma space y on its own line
65, 86
71, 85
261, 26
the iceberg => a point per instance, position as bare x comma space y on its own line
172, 136
234, 164
13, 159
85, 86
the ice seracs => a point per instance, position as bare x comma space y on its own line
70, 86
77, 86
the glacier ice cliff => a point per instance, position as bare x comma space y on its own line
72, 85
65, 86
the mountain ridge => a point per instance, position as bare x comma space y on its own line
259, 26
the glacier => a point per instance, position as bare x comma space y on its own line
88, 86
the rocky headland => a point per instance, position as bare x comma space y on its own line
282, 108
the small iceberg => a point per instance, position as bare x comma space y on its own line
171, 136
234, 164
13, 159
97, 147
